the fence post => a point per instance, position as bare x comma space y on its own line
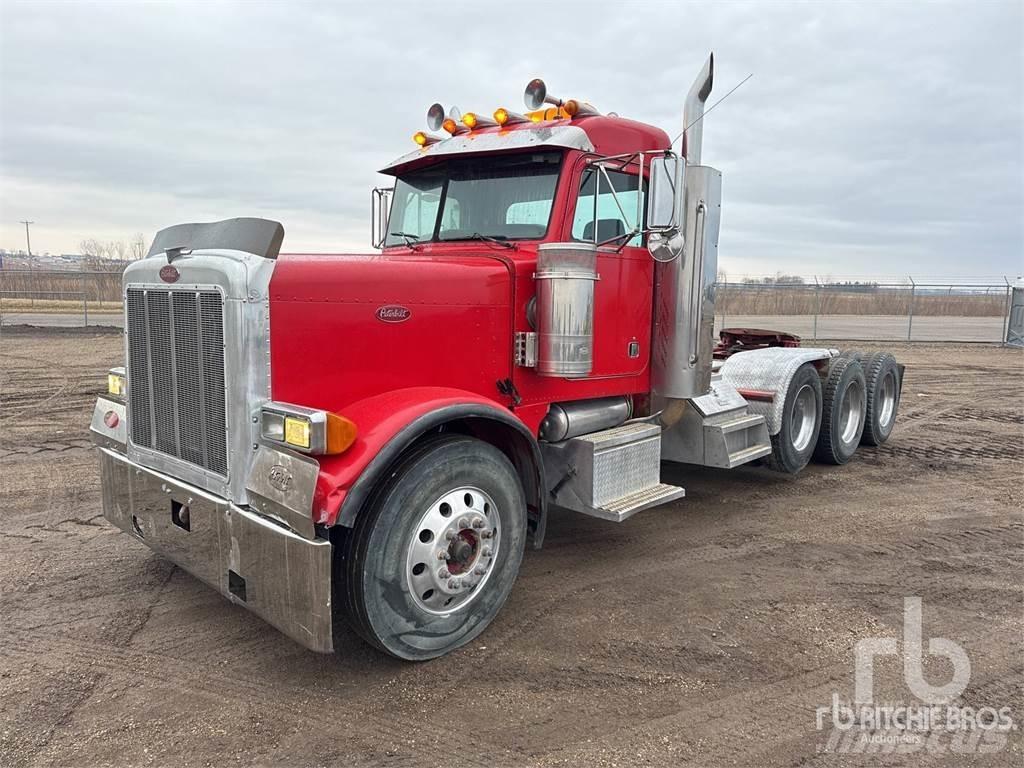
1009, 308
723, 306
85, 299
910, 315
817, 305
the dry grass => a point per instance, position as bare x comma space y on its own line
733, 300
57, 306
100, 286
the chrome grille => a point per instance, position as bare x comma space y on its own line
176, 391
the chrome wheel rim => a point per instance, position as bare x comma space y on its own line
887, 400
805, 416
452, 550
851, 414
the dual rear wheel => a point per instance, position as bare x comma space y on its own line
827, 419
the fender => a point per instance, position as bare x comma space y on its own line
391, 422
770, 370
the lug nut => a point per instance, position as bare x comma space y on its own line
463, 522
478, 522
442, 554
488, 534
454, 584
449, 535
479, 571
487, 552
443, 573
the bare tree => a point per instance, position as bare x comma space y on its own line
137, 247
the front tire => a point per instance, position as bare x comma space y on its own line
433, 558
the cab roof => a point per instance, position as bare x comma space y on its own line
599, 134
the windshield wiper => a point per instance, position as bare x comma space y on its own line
499, 240
410, 240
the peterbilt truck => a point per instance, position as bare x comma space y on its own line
377, 437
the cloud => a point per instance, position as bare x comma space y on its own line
872, 139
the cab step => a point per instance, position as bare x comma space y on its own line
716, 430
611, 474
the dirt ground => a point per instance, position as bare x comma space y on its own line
705, 633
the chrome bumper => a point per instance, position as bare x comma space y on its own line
278, 575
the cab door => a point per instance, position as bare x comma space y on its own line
623, 294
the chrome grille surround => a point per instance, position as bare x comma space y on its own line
176, 364
241, 283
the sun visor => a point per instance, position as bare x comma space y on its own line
261, 237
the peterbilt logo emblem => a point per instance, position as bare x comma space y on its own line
280, 478
169, 274
393, 313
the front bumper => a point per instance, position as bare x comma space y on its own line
278, 575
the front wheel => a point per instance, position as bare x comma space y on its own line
432, 560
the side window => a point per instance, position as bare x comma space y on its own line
610, 220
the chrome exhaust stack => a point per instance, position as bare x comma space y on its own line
684, 292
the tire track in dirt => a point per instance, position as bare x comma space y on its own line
297, 708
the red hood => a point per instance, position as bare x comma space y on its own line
345, 327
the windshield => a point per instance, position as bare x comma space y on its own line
507, 198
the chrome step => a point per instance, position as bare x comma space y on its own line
611, 474
624, 507
716, 430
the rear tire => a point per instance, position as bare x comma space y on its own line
842, 421
882, 377
794, 443
456, 496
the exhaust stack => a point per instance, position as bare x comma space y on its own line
684, 299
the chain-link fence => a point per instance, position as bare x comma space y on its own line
59, 297
914, 309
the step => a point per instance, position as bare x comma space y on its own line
746, 455
610, 474
745, 421
629, 505
736, 442
717, 431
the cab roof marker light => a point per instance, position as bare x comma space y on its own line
577, 108
453, 127
424, 139
504, 116
473, 121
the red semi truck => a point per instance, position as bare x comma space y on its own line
377, 437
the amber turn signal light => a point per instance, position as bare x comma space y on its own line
341, 433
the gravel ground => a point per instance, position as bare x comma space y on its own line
704, 633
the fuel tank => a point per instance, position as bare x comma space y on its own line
345, 327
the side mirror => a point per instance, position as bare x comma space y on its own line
380, 211
665, 198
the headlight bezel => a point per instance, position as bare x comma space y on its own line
306, 430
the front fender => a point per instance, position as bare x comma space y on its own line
388, 424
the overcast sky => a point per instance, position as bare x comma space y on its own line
873, 139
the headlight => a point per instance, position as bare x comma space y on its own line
117, 383
306, 429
